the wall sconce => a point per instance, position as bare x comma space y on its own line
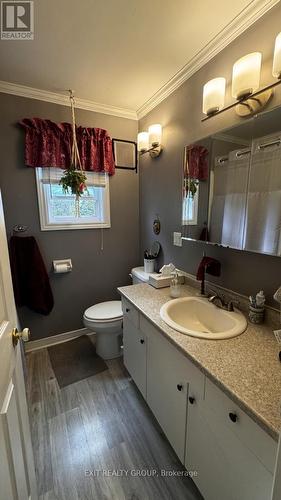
213, 96
245, 86
150, 142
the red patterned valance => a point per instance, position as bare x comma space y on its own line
48, 144
196, 162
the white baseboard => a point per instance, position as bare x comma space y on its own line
33, 345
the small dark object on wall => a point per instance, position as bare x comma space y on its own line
125, 154
156, 226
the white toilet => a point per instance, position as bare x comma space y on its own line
106, 318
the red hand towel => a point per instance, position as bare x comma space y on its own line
210, 266
30, 278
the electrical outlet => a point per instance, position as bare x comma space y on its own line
177, 239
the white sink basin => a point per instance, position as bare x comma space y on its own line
197, 317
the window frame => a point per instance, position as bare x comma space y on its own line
49, 225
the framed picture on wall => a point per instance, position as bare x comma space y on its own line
125, 154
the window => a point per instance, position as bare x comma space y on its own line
190, 209
59, 210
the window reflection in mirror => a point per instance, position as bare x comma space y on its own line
195, 189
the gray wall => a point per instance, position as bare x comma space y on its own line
96, 273
160, 179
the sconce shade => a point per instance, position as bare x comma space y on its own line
276, 69
155, 135
143, 141
246, 75
213, 95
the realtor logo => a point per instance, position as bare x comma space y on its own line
17, 20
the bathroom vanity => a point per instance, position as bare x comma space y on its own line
218, 402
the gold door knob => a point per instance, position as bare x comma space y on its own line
24, 335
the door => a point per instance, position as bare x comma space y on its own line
17, 476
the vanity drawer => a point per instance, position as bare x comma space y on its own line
130, 312
229, 414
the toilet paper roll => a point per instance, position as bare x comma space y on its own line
62, 268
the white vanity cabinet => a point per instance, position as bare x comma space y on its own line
134, 346
233, 456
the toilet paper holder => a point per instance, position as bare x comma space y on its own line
62, 266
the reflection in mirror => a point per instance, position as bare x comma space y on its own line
232, 186
228, 196
195, 190
263, 224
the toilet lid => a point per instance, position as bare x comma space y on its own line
105, 311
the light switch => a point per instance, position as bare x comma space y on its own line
177, 239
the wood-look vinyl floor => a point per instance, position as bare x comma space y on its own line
101, 423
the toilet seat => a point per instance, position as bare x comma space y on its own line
104, 312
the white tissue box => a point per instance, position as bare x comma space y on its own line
159, 281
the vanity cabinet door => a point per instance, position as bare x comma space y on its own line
169, 375
134, 348
167, 389
233, 458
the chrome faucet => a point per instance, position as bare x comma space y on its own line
221, 303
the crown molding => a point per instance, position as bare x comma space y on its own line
244, 20
63, 100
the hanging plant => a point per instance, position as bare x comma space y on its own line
190, 186
74, 181
74, 178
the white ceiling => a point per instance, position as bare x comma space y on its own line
115, 52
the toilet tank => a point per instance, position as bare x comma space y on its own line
139, 276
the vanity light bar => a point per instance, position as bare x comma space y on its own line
243, 100
245, 84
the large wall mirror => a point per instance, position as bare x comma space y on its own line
232, 186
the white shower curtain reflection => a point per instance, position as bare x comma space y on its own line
263, 221
229, 198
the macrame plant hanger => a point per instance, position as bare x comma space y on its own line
75, 156
73, 179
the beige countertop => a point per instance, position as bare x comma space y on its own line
246, 368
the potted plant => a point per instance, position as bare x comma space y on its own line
190, 186
74, 181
